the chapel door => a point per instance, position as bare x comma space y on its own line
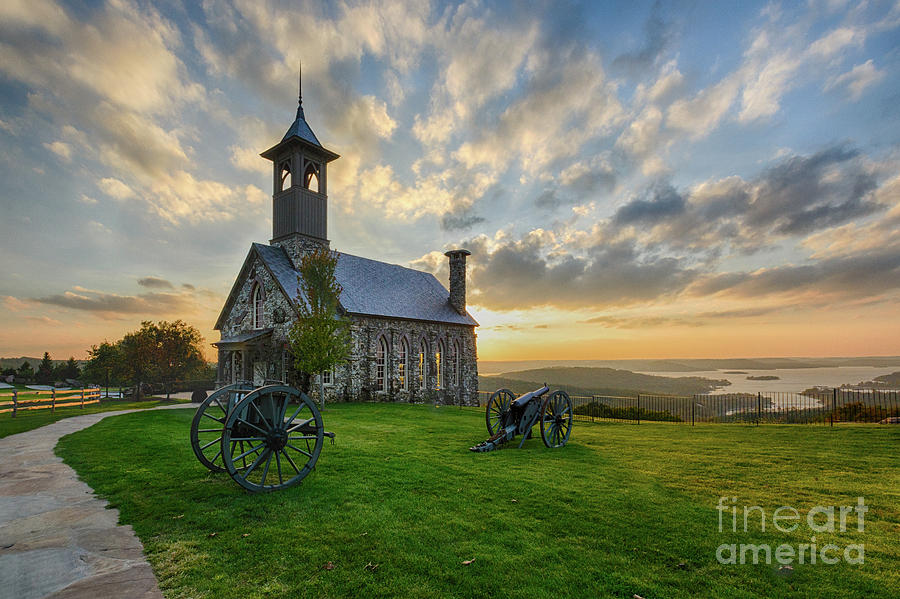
259, 373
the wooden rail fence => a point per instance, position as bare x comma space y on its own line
38, 400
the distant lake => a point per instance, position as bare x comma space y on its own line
790, 379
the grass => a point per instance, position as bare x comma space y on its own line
398, 503
27, 420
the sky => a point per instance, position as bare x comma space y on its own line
634, 180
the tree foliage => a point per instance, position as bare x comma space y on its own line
67, 370
44, 374
104, 364
157, 352
25, 372
320, 337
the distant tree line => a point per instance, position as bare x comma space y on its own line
47, 373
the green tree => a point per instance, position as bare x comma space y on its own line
320, 338
104, 365
71, 369
178, 352
160, 351
44, 373
138, 351
25, 372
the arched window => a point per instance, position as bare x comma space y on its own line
439, 358
311, 177
381, 352
257, 306
403, 366
423, 364
285, 175
457, 363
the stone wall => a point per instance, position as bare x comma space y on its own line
358, 379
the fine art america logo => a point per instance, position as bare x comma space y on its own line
786, 519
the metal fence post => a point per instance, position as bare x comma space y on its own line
15, 402
639, 409
833, 404
692, 412
758, 407
53, 401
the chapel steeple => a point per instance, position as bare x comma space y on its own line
299, 186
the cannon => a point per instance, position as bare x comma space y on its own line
507, 416
266, 438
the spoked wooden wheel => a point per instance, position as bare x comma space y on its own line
206, 428
556, 419
272, 438
497, 407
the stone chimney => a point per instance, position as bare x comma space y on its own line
458, 279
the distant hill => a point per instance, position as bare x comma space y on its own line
16, 362
885, 381
599, 381
691, 364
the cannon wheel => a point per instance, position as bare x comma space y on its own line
556, 419
272, 438
206, 428
497, 407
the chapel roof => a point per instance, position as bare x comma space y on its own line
370, 288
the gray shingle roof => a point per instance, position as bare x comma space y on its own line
375, 288
301, 129
243, 337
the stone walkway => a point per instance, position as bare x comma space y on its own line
56, 538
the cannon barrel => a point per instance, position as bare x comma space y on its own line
524, 399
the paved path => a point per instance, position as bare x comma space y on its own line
56, 538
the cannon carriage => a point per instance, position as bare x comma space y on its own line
507, 416
266, 438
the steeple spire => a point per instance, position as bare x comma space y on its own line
300, 93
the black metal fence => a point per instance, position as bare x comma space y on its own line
822, 406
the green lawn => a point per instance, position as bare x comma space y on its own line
27, 420
398, 503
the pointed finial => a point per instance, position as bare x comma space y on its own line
300, 93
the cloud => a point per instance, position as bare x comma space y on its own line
480, 58
115, 188
155, 283
857, 80
659, 36
63, 150
460, 221
836, 40
113, 305
560, 110
641, 322
702, 113
777, 59
510, 274
122, 55
14, 304
364, 120
856, 276
663, 203
798, 195
803, 193
45, 320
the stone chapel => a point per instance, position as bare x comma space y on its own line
412, 340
